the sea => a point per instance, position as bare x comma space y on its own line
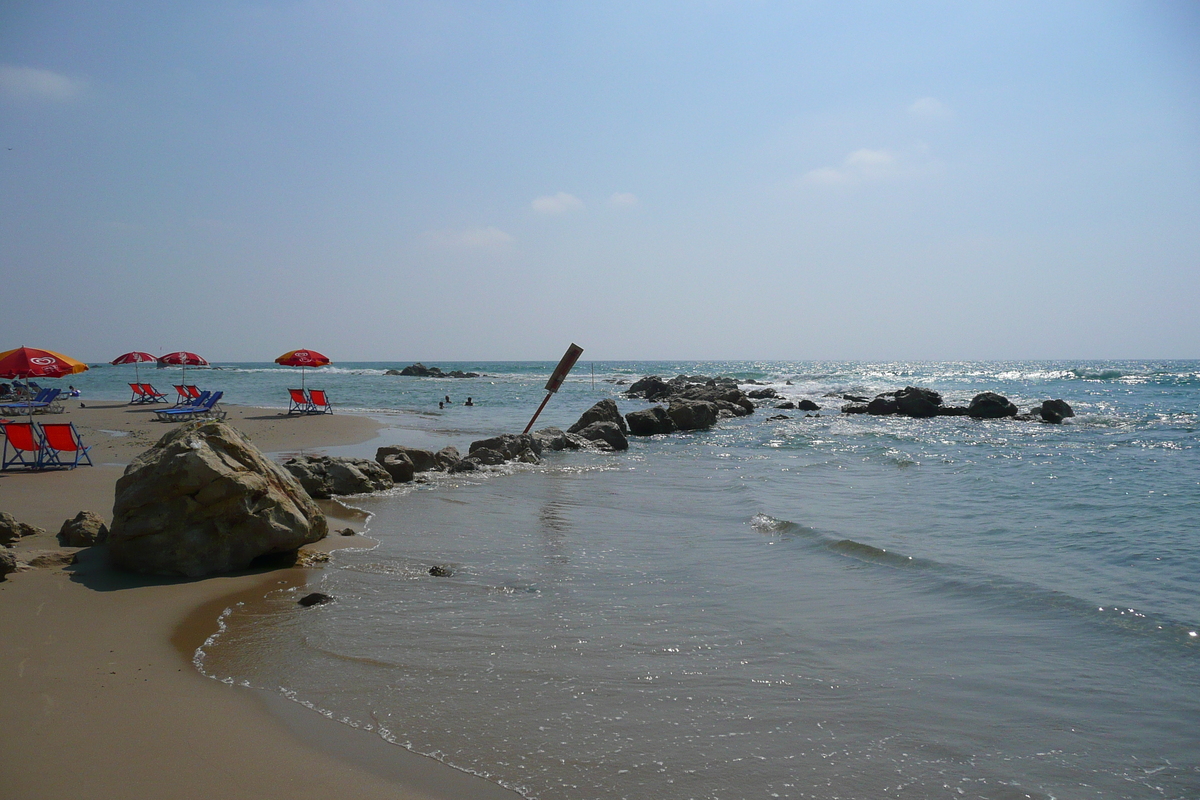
788, 605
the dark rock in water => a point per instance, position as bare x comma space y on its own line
807, 405
419, 370
854, 398
693, 415
650, 421
651, 387
446, 458
393, 372
346, 531
485, 457
314, 599
604, 411
439, 571
778, 417
398, 465
854, 408
989, 405
464, 465
422, 460
952, 411
326, 476
882, 406
914, 401
762, 394
555, 439
510, 446
1054, 410
606, 432
786, 404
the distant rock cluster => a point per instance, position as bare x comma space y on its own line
917, 402
419, 370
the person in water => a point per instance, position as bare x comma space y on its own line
72, 391
468, 403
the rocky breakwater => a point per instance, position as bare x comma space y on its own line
326, 476
919, 403
419, 370
205, 501
693, 403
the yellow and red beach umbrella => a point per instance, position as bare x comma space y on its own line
136, 357
31, 362
303, 359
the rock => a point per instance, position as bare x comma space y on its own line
326, 476
882, 405
8, 563
49, 559
11, 530
1054, 408
693, 415
778, 417
607, 432
464, 465
913, 401
552, 439
807, 405
952, 411
786, 405
854, 408
989, 405
311, 558
650, 421
854, 398
422, 460
439, 571
484, 457
651, 387
205, 501
510, 446
419, 370
392, 372
604, 411
762, 394
314, 599
346, 531
85, 530
399, 466
446, 458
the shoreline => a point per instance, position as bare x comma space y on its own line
101, 696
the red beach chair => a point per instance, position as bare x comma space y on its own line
24, 439
194, 391
59, 438
182, 395
153, 395
298, 402
139, 394
319, 402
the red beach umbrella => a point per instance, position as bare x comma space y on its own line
30, 362
135, 358
303, 359
183, 359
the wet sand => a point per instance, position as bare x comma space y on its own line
100, 697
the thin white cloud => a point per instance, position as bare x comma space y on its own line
38, 84
930, 108
623, 199
561, 203
858, 167
479, 239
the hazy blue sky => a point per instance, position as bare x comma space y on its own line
451, 180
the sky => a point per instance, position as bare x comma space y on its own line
402, 181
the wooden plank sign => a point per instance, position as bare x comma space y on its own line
560, 372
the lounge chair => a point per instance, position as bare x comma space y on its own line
45, 400
298, 402
59, 438
25, 441
152, 395
318, 402
206, 408
194, 391
139, 394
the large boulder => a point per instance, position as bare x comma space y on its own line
882, 405
807, 405
422, 460
326, 476
914, 401
762, 394
398, 465
651, 387
989, 405
85, 530
606, 432
11, 530
604, 411
555, 439
446, 458
650, 421
205, 501
693, 415
1054, 410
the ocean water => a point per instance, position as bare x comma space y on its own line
821, 607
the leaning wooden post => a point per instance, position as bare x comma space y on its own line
556, 379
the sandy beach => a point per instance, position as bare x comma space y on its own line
101, 698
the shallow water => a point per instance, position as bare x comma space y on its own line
814, 607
